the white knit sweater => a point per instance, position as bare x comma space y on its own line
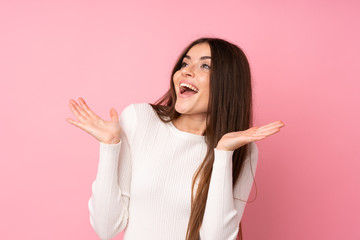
143, 183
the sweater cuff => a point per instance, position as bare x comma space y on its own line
109, 156
110, 146
222, 155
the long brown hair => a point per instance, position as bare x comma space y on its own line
229, 110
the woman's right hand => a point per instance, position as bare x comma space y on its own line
105, 131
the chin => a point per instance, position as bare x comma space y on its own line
188, 106
180, 108
183, 107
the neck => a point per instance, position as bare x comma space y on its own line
191, 123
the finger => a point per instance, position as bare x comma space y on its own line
257, 131
77, 113
265, 130
81, 110
113, 114
87, 109
263, 134
273, 123
75, 123
276, 124
268, 132
256, 138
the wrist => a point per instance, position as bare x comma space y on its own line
112, 141
221, 148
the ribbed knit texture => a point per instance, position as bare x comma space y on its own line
143, 183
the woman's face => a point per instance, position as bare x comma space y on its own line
195, 71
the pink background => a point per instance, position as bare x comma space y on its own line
304, 57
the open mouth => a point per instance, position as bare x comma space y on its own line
187, 89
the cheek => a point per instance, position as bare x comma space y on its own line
176, 76
206, 86
206, 93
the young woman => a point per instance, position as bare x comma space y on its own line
183, 167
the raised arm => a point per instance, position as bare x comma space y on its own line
223, 212
109, 203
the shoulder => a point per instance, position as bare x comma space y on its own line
136, 113
134, 110
128, 114
146, 113
131, 116
142, 107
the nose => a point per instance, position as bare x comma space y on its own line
188, 71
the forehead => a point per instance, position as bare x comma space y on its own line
199, 50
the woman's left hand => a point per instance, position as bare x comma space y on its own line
233, 140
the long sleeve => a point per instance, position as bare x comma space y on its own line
223, 212
109, 202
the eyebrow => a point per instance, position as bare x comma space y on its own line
202, 58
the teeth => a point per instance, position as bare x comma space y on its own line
189, 86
